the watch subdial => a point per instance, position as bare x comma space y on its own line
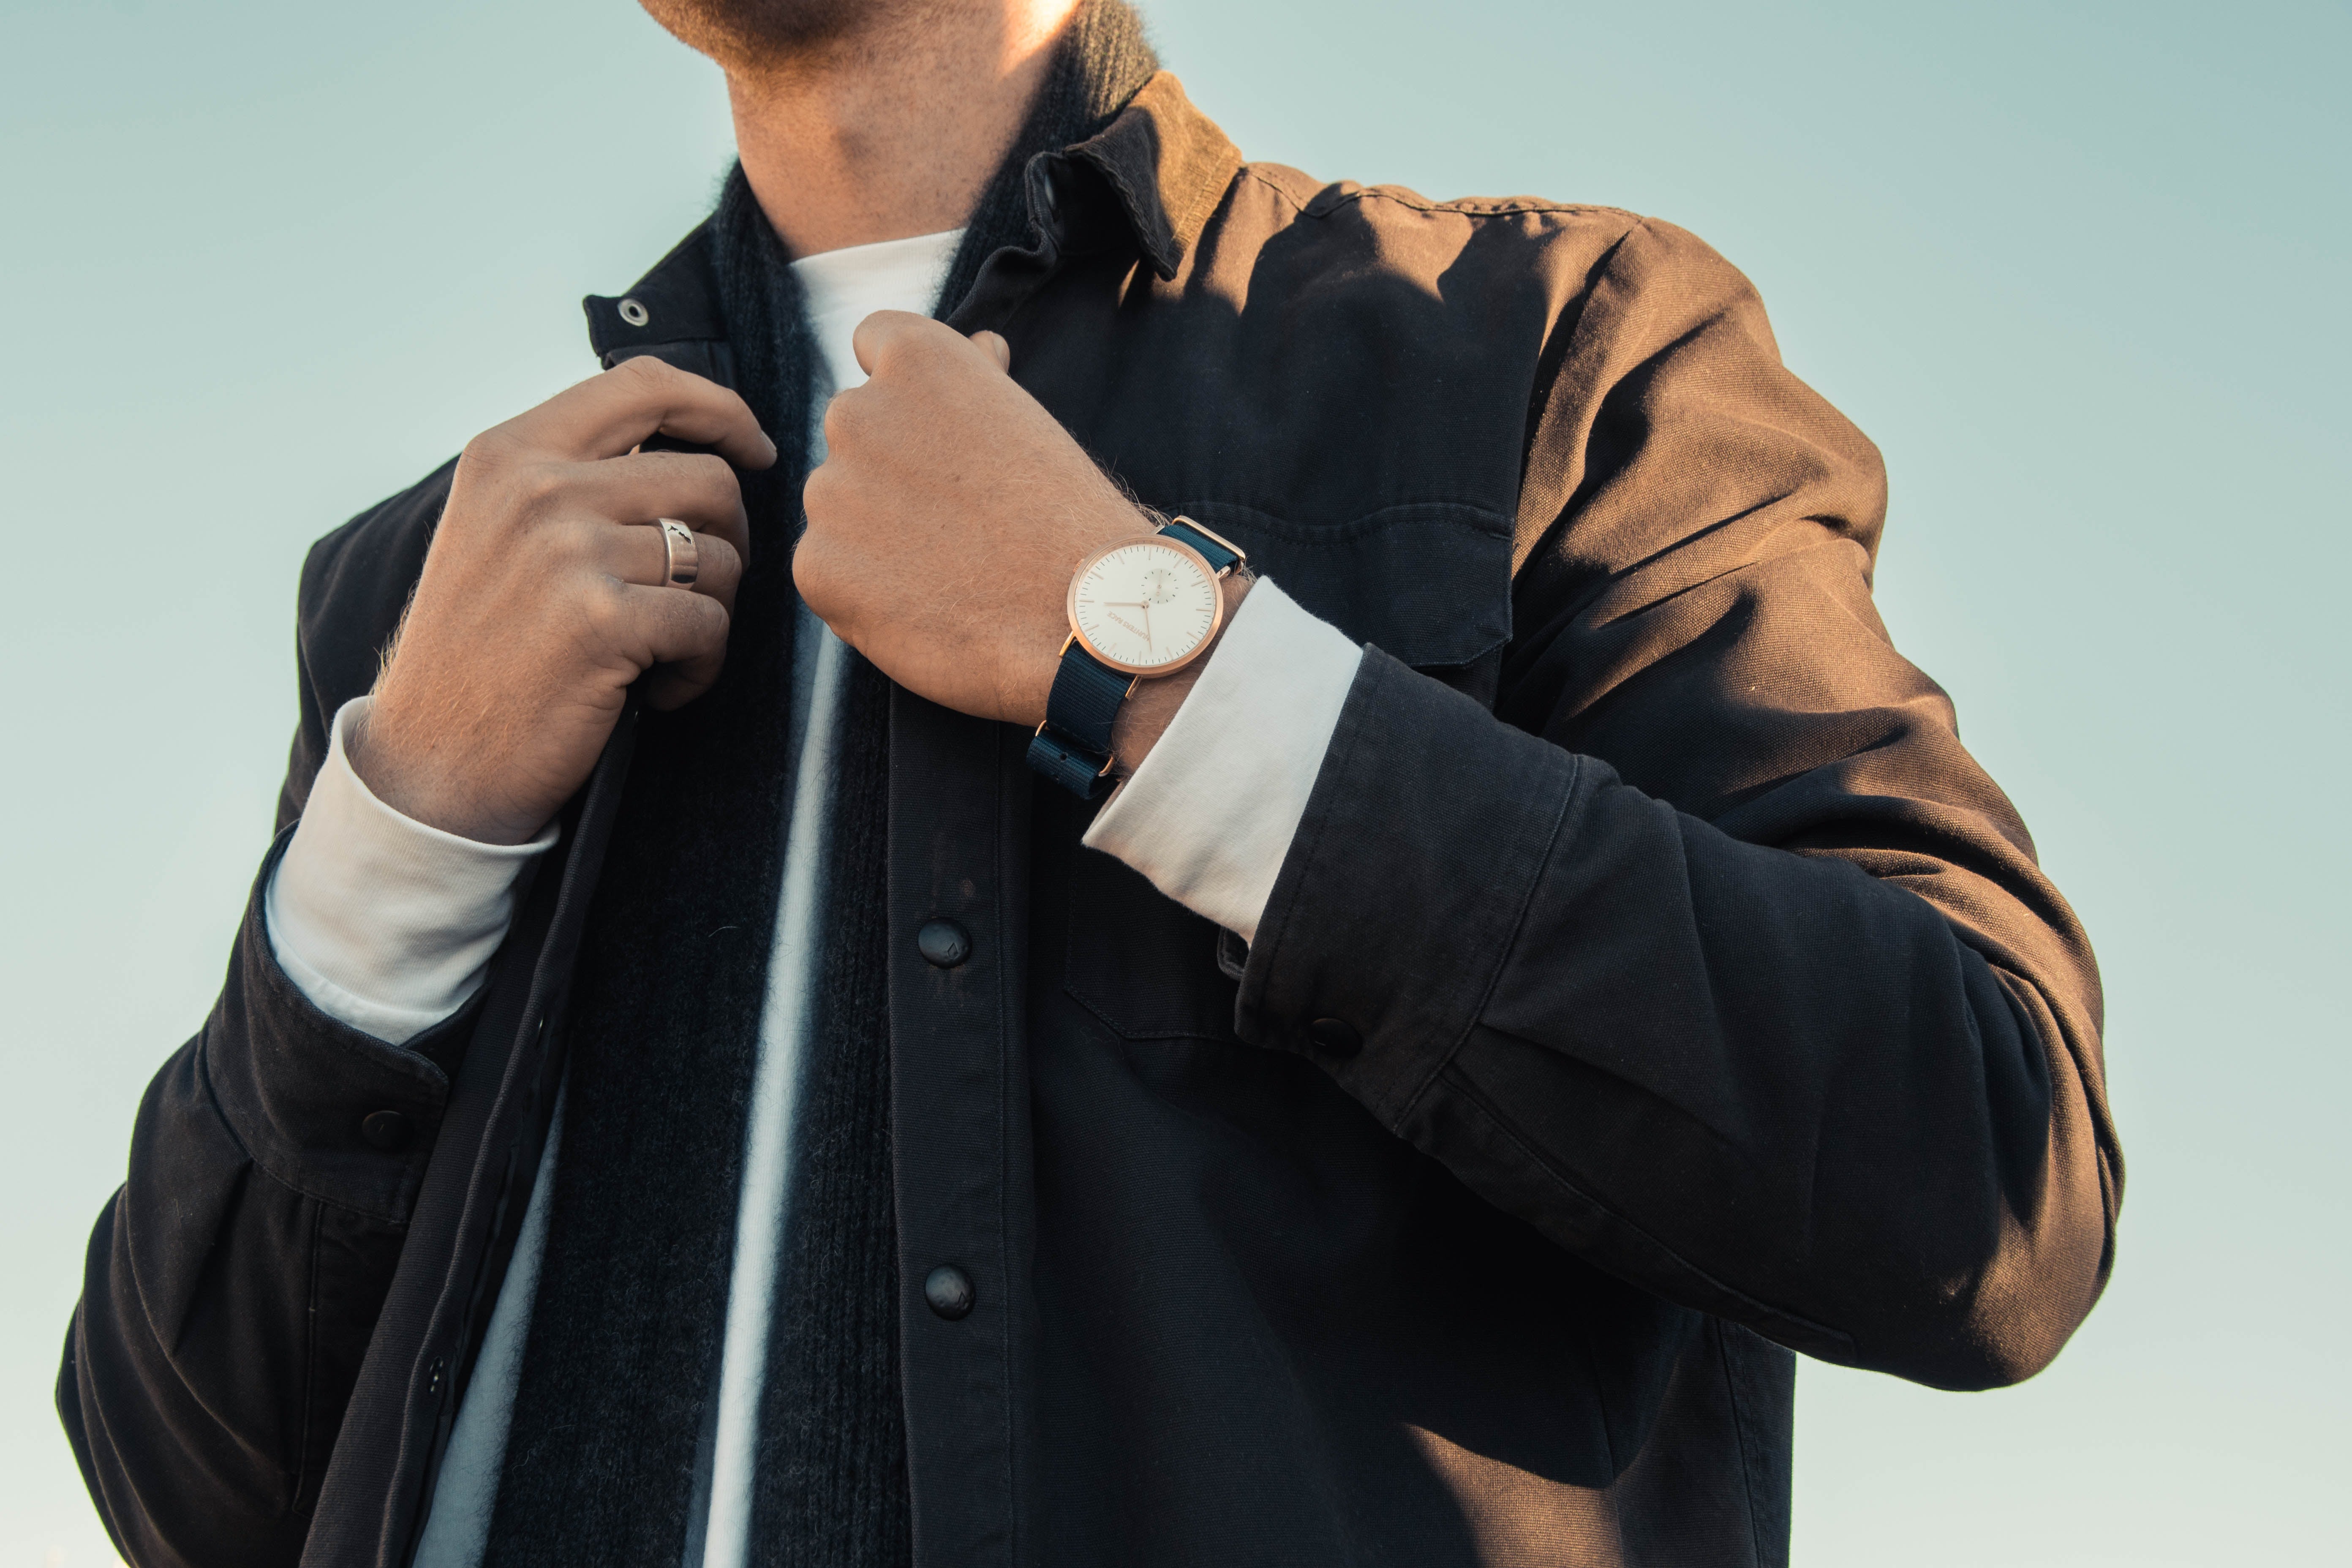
1159, 587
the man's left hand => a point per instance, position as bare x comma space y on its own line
947, 517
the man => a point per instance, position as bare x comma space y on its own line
705, 1079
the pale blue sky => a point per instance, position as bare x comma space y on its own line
2079, 269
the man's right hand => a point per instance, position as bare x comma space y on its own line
543, 598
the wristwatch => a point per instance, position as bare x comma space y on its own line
1139, 609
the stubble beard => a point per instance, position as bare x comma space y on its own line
756, 35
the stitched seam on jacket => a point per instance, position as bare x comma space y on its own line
280, 990
1126, 191
1004, 1121
1343, 742
1738, 1436
1510, 943
1208, 190
309, 1369
244, 1146
1250, 172
1473, 1100
1501, 207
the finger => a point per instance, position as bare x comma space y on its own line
659, 626
885, 332
840, 410
639, 554
998, 348
662, 628
673, 686
607, 414
696, 488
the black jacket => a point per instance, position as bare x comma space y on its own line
1653, 987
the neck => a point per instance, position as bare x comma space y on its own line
894, 131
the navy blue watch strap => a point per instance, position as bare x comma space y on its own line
1072, 747
1221, 557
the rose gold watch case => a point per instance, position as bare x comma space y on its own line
1147, 671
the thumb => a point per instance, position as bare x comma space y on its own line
998, 348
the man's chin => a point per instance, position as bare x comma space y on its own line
744, 32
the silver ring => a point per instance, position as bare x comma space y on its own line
682, 558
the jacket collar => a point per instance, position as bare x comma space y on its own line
1163, 165
1167, 163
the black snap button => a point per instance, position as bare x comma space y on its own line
1335, 1037
1049, 202
948, 1291
385, 1129
943, 943
433, 1379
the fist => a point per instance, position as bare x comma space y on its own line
947, 520
545, 596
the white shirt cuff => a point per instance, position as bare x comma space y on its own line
1210, 815
385, 923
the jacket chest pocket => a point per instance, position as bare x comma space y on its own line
1428, 583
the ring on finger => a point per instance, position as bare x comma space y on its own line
682, 557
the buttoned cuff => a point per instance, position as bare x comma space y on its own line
386, 924
306, 1095
1427, 832
1210, 815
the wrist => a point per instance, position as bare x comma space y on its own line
1041, 648
1122, 674
397, 763
1148, 713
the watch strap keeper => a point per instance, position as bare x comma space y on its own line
1073, 746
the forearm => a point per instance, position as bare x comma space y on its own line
1758, 1082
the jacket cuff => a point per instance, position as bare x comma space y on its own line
322, 1107
1213, 810
1429, 827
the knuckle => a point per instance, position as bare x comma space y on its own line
572, 544
711, 623
808, 566
813, 574
603, 612
649, 370
485, 450
821, 493
719, 558
714, 476
929, 348
844, 417
536, 491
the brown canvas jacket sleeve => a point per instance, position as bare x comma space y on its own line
1711, 952
233, 1282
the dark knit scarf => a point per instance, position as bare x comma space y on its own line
621, 1373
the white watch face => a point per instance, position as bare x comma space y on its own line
1145, 607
